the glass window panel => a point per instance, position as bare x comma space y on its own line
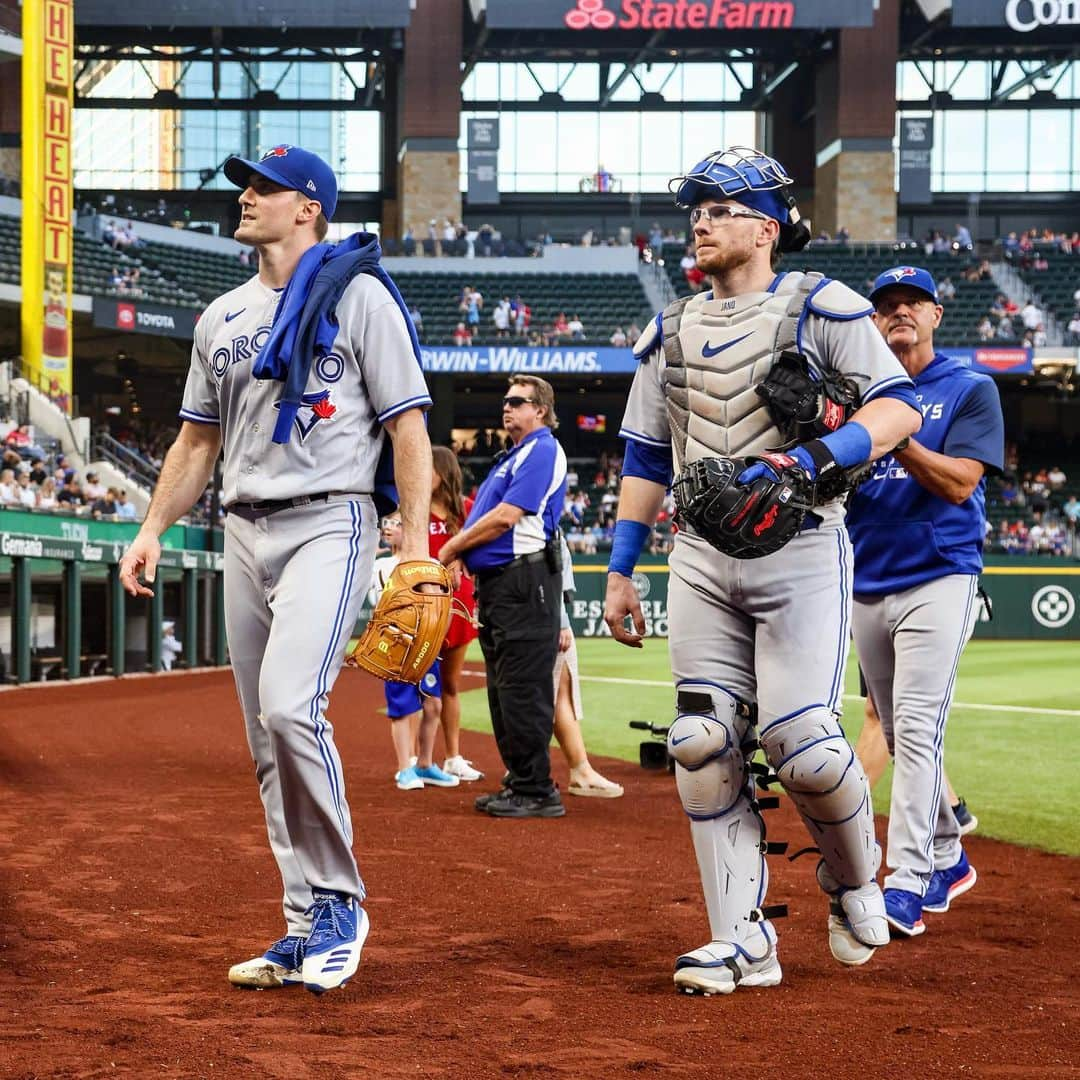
961, 181
1006, 142
620, 142
660, 143
1050, 139
579, 82
577, 145
1048, 181
972, 79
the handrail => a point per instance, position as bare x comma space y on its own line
127, 460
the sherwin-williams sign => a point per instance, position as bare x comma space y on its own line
615, 15
1020, 15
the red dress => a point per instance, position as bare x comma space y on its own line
461, 630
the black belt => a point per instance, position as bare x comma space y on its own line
272, 506
521, 560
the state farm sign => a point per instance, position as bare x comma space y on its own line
730, 15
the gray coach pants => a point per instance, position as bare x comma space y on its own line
294, 583
909, 645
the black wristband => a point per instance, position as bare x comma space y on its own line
822, 456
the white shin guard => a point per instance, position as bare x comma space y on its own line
819, 770
717, 792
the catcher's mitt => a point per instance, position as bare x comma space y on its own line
406, 630
804, 407
744, 522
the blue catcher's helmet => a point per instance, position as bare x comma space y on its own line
749, 177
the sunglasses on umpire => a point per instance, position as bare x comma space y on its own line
514, 402
722, 211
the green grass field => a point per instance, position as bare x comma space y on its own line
1016, 767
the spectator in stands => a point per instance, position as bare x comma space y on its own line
485, 237
1056, 478
633, 332
418, 321
244, 258
1038, 336
618, 339
1072, 331
24, 493
843, 236
408, 242
656, 239
8, 494
962, 238
38, 473
823, 237
47, 494
560, 328
997, 308
522, 316
434, 241
21, 440
462, 335
71, 494
576, 328
116, 279
688, 265
946, 289
125, 509
985, 329
171, 648
500, 317
1010, 247
471, 305
1005, 331
1071, 510
1039, 262
105, 504
1031, 315
93, 488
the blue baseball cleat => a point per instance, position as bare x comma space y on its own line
946, 885
279, 966
903, 910
339, 928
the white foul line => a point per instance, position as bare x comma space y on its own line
847, 697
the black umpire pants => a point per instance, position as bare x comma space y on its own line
518, 608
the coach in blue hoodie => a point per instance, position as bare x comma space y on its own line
917, 526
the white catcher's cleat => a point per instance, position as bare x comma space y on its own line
857, 924
721, 966
279, 966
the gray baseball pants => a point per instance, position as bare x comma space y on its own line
909, 645
294, 583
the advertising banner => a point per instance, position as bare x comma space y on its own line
536, 360
138, 317
720, 15
483, 162
916, 142
276, 14
1008, 360
1023, 16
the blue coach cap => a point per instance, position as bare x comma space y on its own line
914, 277
291, 167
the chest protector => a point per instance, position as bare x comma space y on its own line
715, 354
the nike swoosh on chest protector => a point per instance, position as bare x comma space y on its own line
708, 350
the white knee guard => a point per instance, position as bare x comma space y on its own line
819, 770
712, 775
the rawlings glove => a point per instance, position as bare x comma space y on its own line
406, 630
744, 520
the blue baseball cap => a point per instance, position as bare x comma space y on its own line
291, 167
914, 277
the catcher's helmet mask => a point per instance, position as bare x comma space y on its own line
750, 177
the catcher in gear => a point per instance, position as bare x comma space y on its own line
759, 598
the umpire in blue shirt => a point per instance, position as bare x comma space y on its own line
510, 545
917, 526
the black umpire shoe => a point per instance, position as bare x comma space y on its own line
510, 805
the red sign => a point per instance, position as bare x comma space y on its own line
1003, 359
682, 15
125, 316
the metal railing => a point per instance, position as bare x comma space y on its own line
128, 461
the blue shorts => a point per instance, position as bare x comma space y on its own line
403, 699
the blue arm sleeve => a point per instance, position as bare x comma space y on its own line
649, 462
904, 392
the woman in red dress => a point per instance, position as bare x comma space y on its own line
448, 512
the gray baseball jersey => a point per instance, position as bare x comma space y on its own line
295, 577
369, 377
774, 630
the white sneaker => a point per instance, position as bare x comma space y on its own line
462, 769
720, 966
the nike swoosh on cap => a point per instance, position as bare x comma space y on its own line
707, 350
229, 316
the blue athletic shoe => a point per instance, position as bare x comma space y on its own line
279, 966
339, 928
432, 774
946, 885
904, 912
408, 779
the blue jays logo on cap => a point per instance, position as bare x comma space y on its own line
914, 277
291, 167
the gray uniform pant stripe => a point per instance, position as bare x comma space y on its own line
294, 583
909, 645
